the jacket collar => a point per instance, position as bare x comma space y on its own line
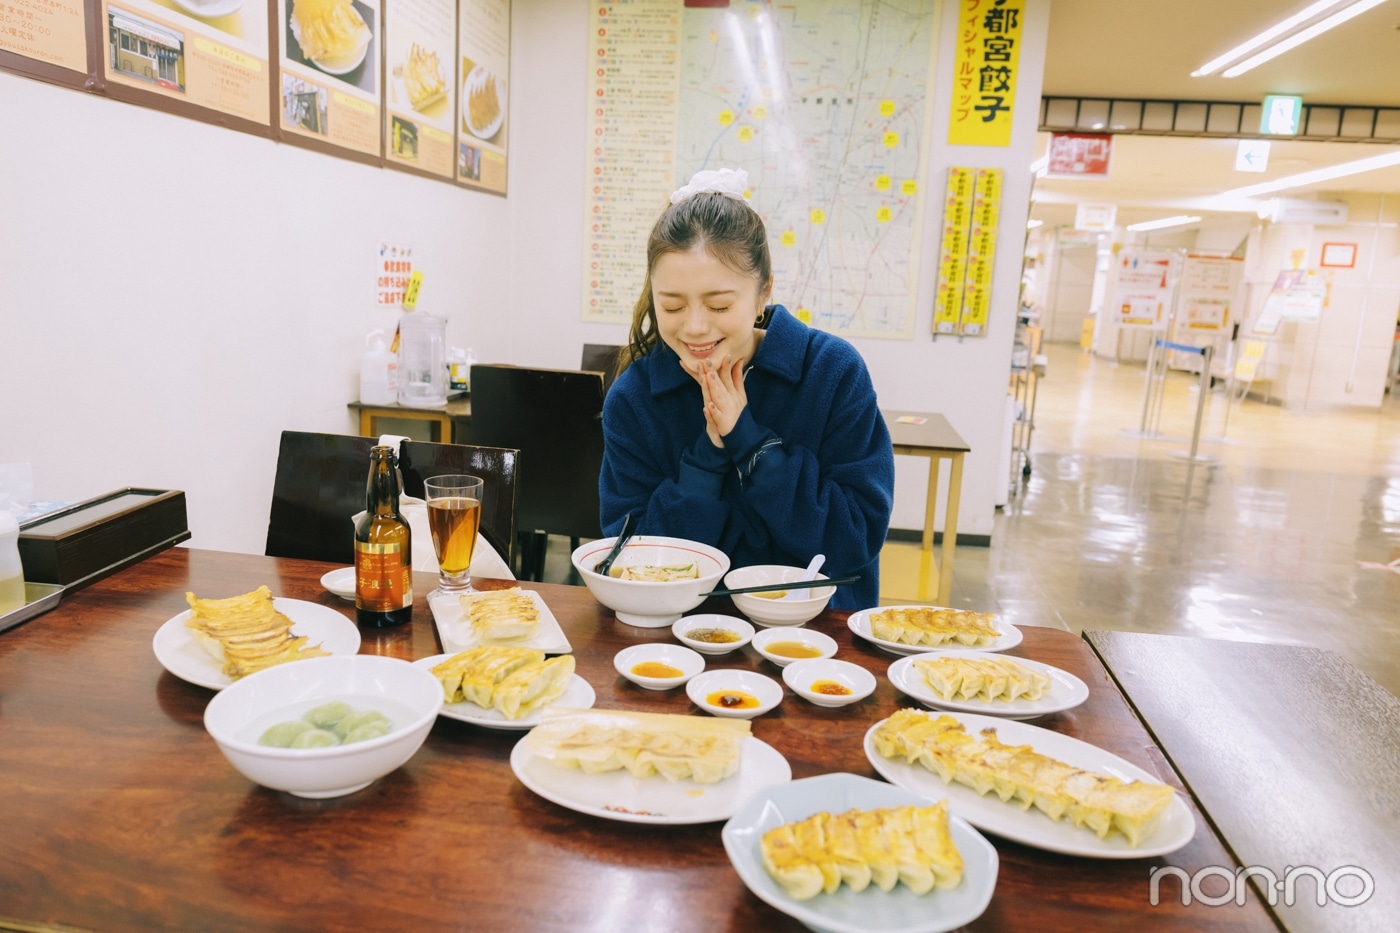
781, 354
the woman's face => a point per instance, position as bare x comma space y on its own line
706, 311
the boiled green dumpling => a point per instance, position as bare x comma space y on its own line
315, 738
284, 733
358, 720
328, 714
370, 730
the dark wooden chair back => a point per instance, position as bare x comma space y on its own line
601, 358
320, 484
555, 419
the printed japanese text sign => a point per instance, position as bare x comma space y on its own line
1079, 155
984, 72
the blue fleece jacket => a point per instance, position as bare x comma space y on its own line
825, 486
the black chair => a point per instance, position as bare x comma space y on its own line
555, 419
320, 484
601, 358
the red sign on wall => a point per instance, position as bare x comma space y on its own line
1075, 155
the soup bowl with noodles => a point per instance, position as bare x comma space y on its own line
654, 580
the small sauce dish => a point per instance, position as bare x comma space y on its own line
829, 682
713, 634
658, 666
783, 646
341, 582
735, 694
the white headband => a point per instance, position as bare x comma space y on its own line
726, 181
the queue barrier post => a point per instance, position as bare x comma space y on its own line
1205, 353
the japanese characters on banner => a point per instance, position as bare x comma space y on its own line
984, 72
484, 45
330, 71
1143, 280
211, 55
971, 208
1209, 285
420, 90
1079, 155
51, 31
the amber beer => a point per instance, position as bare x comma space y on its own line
383, 549
454, 522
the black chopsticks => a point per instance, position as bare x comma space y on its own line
795, 585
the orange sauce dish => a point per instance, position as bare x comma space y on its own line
656, 669
732, 699
793, 649
830, 688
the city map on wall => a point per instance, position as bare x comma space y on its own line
825, 103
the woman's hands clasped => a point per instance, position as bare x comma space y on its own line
722, 386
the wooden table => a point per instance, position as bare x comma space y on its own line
933, 437
441, 418
1293, 753
120, 813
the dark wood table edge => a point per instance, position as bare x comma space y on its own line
1261, 896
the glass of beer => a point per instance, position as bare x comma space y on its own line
454, 516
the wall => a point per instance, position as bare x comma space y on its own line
1071, 290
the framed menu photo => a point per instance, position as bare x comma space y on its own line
483, 44
330, 81
420, 92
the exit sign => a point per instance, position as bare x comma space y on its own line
1282, 116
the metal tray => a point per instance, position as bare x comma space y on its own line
38, 598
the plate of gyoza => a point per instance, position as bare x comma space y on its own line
511, 617
506, 688
987, 683
909, 630
1031, 785
646, 767
848, 854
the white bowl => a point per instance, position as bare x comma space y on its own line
825, 644
792, 609
340, 582
648, 604
684, 629
686, 661
239, 714
853, 677
766, 690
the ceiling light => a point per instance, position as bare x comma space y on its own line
1032, 224
1342, 170
1176, 221
1268, 35
1297, 39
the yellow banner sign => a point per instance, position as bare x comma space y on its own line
952, 264
984, 72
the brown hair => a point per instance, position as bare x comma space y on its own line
726, 227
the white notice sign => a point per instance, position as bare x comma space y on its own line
1252, 155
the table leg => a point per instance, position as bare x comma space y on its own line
930, 504
366, 423
950, 532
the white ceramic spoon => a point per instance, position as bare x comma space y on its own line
808, 576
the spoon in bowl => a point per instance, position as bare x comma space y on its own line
808, 576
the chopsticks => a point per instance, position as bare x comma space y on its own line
795, 585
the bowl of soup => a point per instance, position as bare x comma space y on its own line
654, 580
777, 607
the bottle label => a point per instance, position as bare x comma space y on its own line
383, 577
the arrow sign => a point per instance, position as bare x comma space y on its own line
1252, 155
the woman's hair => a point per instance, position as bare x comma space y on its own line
726, 227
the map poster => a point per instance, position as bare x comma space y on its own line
420, 87
952, 259
50, 31
483, 42
981, 249
330, 73
984, 72
209, 53
633, 72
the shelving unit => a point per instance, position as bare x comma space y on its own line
1027, 367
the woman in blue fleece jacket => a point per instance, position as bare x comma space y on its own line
764, 441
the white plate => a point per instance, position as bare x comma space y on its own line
476, 77
859, 622
209, 10
457, 635
1174, 829
579, 694
617, 795
179, 653
340, 582
1066, 691
340, 65
899, 910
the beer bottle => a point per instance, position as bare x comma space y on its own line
383, 549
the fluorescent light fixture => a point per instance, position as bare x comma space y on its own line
1177, 221
1032, 224
1298, 38
1342, 170
1268, 35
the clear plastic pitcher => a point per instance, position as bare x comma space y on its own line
422, 360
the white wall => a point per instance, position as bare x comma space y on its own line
173, 295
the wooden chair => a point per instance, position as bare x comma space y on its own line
601, 358
555, 419
321, 478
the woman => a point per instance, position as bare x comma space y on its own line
764, 441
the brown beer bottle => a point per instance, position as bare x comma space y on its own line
383, 549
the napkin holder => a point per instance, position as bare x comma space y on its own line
85, 542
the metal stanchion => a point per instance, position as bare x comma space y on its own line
1206, 353
1154, 388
